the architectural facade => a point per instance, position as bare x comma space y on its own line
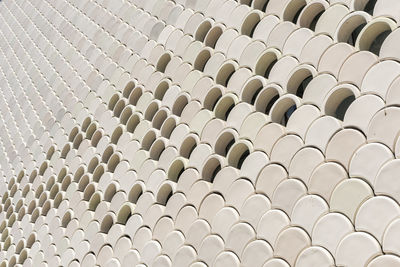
255, 133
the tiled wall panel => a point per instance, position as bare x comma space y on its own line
254, 133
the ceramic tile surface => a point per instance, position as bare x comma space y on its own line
194, 133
